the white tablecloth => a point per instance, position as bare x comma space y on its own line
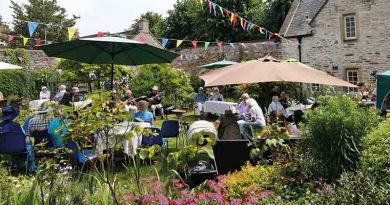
290, 110
35, 104
129, 146
219, 107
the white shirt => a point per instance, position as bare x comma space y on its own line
257, 113
44, 95
275, 106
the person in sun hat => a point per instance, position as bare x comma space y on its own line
42, 119
61, 92
44, 94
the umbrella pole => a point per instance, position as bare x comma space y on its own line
112, 76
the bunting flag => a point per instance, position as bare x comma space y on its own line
178, 43
24, 40
242, 23
220, 44
32, 26
261, 30
266, 34
227, 12
234, 20
243, 45
142, 38
232, 45
10, 38
195, 44
214, 9
164, 42
210, 6
245, 25
71, 32
206, 45
271, 35
38, 42
232, 17
221, 10
100, 34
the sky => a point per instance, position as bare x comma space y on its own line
101, 15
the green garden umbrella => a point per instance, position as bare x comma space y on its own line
109, 50
218, 64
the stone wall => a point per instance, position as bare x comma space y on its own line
192, 58
326, 49
38, 59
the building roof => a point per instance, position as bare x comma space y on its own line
301, 14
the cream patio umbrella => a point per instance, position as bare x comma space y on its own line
269, 69
7, 66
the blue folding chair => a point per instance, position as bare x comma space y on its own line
13, 141
80, 156
42, 137
170, 129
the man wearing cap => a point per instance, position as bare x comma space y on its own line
61, 91
155, 102
44, 94
69, 99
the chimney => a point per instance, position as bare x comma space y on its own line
143, 25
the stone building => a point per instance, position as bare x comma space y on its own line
349, 39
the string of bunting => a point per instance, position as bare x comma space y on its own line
246, 25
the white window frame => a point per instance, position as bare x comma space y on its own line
347, 74
346, 29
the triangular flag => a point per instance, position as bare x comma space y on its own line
227, 12
220, 44
164, 42
243, 45
234, 20
38, 42
232, 45
181, 56
266, 34
221, 10
142, 38
271, 35
24, 40
245, 23
251, 26
10, 38
232, 17
100, 34
242, 22
31, 27
71, 32
214, 8
206, 45
178, 43
195, 44
210, 6
261, 30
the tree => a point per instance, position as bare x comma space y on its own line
156, 23
41, 11
191, 20
275, 11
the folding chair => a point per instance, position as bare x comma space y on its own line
170, 129
13, 144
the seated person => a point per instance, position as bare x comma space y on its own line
143, 115
155, 100
227, 126
200, 98
61, 92
11, 132
275, 109
284, 100
44, 94
130, 102
74, 96
216, 96
242, 107
363, 94
41, 121
256, 118
57, 130
113, 98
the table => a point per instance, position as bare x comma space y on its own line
219, 107
35, 104
290, 110
179, 113
119, 130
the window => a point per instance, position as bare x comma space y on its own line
350, 27
352, 76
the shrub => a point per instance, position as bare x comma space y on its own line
376, 154
332, 135
249, 179
359, 188
17, 83
174, 82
